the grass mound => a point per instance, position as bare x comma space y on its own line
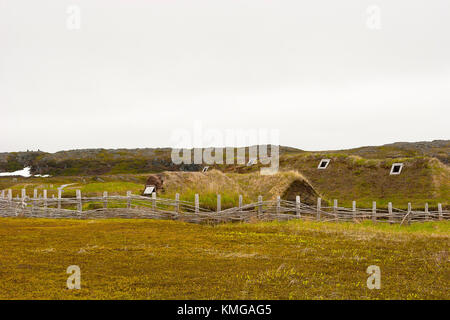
350, 178
231, 185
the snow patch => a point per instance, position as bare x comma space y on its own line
25, 172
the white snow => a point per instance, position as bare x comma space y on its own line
25, 172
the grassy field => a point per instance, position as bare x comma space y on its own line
148, 259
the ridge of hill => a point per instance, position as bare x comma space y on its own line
439, 149
121, 161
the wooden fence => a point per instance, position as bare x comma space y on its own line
136, 206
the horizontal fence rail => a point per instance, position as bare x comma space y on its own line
136, 206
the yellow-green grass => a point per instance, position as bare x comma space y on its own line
88, 189
113, 188
149, 259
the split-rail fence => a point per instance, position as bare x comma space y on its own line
137, 206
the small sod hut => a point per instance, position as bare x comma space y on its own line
154, 184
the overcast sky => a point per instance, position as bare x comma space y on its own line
327, 74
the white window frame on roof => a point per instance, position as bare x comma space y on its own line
327, 163
149, 190
394, 165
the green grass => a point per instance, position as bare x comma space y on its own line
149, 259
88, 187
112, 188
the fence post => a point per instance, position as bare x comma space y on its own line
219, 204
391, 214
197, 204
409, 211
374, 211
23, 197
3, 194
105, 199
59, 197
260, 199
35, 192
128, 199
297, 206
319, 206
354, 209
240, 202
79, 201
440, 211
427, 212
154, 200
45, 199
278, 204
10, 198
177, 202
335, 209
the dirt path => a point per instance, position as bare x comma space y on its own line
65, 185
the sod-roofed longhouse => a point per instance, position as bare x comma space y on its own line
208, 184
154, 183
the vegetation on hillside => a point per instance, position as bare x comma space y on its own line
439, 149
133, 161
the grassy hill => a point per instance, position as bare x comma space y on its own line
439, 149
349, 177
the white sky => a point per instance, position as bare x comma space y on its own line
138, 70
